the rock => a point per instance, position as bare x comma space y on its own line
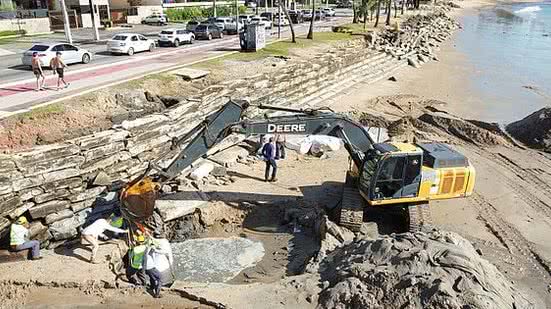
202, 171
146, 122
229, 156
36, 228
78, 206
166, 189
101, 179
16, 213
63, 183
423, 58
62, 174
103, 151
392, 79
51, 218
9, 204
42, 210
88, 194
100, 139
413, 62
179, 204
190, 74
533, 130
27, 159
67, 228
48, 196
219, 171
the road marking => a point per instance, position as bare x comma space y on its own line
5, 52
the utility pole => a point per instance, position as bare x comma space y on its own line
265, 6
278, 19
66, 24
214, 7
94, 21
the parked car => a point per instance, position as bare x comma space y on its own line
227, 24
296, 16
208, 32
280, 20
230, 26
156, 19
263, 21
129, 43
175, 36
329, 12
245, 18
268, 15
46, 51
191, 25
307, 15
320, 15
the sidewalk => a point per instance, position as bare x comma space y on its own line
19, 96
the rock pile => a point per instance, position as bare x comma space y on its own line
418, 37
534, 130
435, 270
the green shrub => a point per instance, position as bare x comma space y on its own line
191, 13
12, 32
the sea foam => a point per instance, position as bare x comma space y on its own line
529, 9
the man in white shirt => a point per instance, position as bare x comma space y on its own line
96, 230
158, 265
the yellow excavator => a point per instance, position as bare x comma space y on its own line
380, 174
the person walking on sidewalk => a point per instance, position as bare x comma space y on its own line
269, 153
58, 66
95, 231
37, 70
19, 238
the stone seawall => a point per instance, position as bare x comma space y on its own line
58, 188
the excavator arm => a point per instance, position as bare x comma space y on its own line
138, 197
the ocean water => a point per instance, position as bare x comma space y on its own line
509, 47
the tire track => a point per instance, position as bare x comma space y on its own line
510, 237
526, 176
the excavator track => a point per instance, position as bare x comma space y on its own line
352, 207
419, 217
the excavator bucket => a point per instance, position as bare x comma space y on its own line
138, 199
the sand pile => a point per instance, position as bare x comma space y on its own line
435, 270
534, 130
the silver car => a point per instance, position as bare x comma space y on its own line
47, 51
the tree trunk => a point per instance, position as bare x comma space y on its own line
310, 35
395, 8
388, 6
403, 5
378, 13
355, 12
284, 8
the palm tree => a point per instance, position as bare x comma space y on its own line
284, 8
310, 35
378, 13
388, 2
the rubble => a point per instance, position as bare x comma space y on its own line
434, 270
533, 130
418, 37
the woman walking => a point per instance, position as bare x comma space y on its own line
58, 66
37, 70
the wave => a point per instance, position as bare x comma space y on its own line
528, 9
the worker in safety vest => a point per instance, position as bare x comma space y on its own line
135, 271
19, 238
158, 265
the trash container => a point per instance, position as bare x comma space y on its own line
253, 37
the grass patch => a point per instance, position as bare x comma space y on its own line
139, 83
39, 112
280, 48
12, 32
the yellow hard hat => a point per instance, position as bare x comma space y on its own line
140, 238
22, 220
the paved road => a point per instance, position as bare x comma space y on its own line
18, 93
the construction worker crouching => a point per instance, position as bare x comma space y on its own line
135, 271
158, 265
96, 230
19, 238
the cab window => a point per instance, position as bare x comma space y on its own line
390, 178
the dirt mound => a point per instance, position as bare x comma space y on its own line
476, 132
435, 270
534, 130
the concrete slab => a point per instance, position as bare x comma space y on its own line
179, 204
214, 259
190, 74
229, 156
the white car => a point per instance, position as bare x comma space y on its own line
280, 20
263, 21
175, 37
47, 51
129, 43
329, 12
156, 19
